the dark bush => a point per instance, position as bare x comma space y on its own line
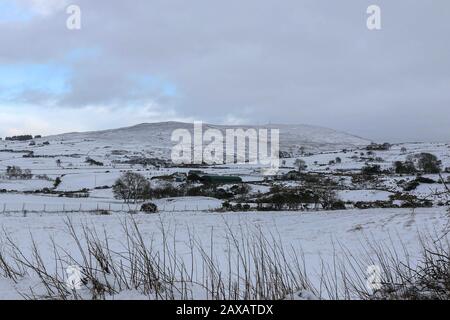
149, 207
406, 167
57, 182
227, 206
168, 191
338, 205
425, 180
93, 162
371, 170
374, 204
412, 185
295, 198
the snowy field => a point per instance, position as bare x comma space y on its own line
317, 236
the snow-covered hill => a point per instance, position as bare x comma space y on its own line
156, 138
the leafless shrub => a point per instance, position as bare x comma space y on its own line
258, 271
257, 266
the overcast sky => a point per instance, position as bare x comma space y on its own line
253, 61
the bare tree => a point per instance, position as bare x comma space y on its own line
131, 187
300, 165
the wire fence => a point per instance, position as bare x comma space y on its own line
24, 208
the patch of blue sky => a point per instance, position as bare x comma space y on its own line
169, 89
11, 11
51, 79
147, 82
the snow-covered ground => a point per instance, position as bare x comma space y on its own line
28, 210
318, 236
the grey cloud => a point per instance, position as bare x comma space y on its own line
262, 61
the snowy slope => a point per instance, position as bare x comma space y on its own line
155, 138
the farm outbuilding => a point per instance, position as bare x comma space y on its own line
220, 179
